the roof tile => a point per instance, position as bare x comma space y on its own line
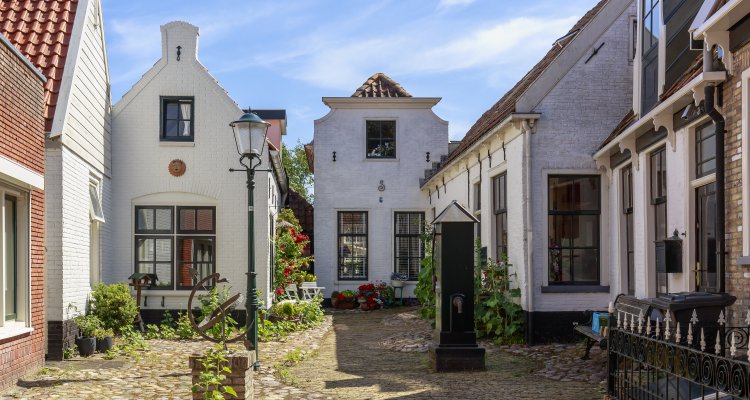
380, 85
41, 30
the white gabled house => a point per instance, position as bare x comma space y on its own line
176, 206
525, 170
68, 45
370, 151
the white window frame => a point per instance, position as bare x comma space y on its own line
22, 323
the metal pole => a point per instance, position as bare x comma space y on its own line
251, 305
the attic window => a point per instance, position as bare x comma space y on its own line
177, 114
381, 139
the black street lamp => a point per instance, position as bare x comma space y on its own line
248, 130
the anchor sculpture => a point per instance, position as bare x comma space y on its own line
218, 316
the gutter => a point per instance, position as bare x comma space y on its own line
513, 117
528, 232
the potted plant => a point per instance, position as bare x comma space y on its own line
346, 299
87, 325
398, 279
104, 340
335, 298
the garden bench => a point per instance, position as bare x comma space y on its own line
591, 337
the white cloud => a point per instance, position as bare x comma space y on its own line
330, 62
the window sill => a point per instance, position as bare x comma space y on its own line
575, 289
744, 260
168, 143
351, 282
376, 159
14, 330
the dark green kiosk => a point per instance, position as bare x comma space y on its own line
455, 347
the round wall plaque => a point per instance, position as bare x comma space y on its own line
177, 168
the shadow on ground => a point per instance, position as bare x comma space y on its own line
353, 361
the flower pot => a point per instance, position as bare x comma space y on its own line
346, 305
102, 345
86, 346
397, 283
334, 302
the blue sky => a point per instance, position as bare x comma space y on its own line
290, 53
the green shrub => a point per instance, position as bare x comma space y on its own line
425, 290
113, 305
210, 301
87, 324
101, 333
184, 329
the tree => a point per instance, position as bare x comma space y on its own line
295, 164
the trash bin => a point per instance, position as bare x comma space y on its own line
707, 306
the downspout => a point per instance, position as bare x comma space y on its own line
718, 119
719, 124
528, 243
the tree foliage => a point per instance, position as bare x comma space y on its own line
295, 164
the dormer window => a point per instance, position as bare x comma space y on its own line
381, 139
650, 33
177, 114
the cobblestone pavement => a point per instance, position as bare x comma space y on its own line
383, 355
161, 372
367, 355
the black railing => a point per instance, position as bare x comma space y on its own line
664, 360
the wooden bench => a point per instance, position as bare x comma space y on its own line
591, 338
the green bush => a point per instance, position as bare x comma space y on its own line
113, 305
210, 301
292, 317
425, 290
184, 329
87, 324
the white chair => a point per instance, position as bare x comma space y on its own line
291, 291
310, 290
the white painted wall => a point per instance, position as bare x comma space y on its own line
142, 177
351, 183
77, 152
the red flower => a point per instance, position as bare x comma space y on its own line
286, 274
291, 263
279, 291
287, 269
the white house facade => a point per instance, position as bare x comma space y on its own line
178, 210
370, 151
525, 170
79, 176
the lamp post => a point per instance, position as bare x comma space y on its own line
247, 131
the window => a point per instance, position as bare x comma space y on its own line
177, 115
659, 203
705, 150
381, 139
14, 258
651, 24
352, 254
633, 21
96, 215
10, 248
185, 237
573, 218
499, 194
627, 215
478, 210
409, 247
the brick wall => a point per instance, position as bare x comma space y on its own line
737, 276
22, 141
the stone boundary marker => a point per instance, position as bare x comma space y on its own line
241, 378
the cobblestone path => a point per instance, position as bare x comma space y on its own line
362, 355
381, 355
161, 372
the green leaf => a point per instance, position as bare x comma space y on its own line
229, 390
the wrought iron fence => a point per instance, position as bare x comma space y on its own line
665, 360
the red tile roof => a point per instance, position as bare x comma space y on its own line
380, 85
41, 31
507, 104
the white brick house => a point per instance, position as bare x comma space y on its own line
525, 169
175, 204
79, 172
370, 151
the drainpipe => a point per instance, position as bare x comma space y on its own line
720, 206
710, 92
528, 243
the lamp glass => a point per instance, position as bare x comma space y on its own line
250, 126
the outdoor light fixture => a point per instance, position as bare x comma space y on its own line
247, 131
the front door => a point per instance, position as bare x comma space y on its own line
706, 277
